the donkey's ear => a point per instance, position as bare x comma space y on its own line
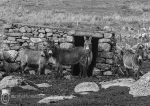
90, 38
84, 37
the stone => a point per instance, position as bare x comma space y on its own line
66, 45
53, 99
35, 33
20, 40
48, 30
71, 32
107, 55
28, 29
43, 85
69, 39
109, 61
86, 87
15, 30
15, 47
49, 34
7, 26
28, 35
107, 35
10, 30
41, 35
62, 40
22, 29
108, 28
35, 40
96, 71
25, 44
104, 40
41, 30
25, 38
107, 73
1, 74
5, 47
13, 34
100, 60
104, 47
11, 38
98, 35
103, 66
56, 35
31, 44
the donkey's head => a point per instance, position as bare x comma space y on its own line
87, 43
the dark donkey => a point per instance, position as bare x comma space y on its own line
133, 60
71, 57
36, 58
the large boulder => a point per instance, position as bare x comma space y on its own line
86, 86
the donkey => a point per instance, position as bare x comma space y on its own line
133, 60
88, 47
71, 56
36, 58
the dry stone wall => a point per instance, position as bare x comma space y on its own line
17, 36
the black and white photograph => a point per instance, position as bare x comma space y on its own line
74, 52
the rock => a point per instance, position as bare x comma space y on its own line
41, 30
49, 34
109, 61
108, 28
7, 26
43, 85
141, 87
100, 60
66, 45
53, 99
22, 29
96, 71
108, 55
25, 44
15, 47
1, 74
25, 38
107, 35
104, 47
41, 35
71, 32
104, 40
68, 77
10, 30
28, 35
69, 39
48, 30
107, 73
86, 86
35, 40
125, 82
28, 29
11, 38
103, 66
62, 40
98, 35
32, 72
20, 40
13, 34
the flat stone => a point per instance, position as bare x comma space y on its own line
41, 30
66, 45
98, 35
28, 29
25, 44
48, 30
107, 35
10, 30
25, 38
13, 34
11, 38
100, 59
20, 40
41, 35
71, 32
104, 40
104, 54
104, 47
62, 40
86, 86
49, 34
103, 66
107, 73
22, 29
35, 40
15, 47
7, 26
28, 34
109, 61
69, 39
